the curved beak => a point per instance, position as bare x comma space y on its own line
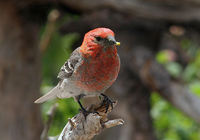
112, 41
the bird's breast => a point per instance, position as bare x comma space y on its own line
97, 74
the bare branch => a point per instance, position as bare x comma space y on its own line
183, 99
50, 114
155, 77
49, 30
81, 128
182, 10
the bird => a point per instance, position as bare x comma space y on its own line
90, 70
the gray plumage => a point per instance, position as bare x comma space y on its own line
65, 87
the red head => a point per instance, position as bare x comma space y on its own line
97, 39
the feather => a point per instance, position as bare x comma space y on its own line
50, 95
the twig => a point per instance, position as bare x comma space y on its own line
81, 128
49, 30
50, 115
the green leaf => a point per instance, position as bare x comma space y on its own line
175, 69
189, 72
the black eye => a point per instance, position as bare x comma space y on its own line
98, 38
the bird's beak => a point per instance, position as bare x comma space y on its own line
112, 41
117, 43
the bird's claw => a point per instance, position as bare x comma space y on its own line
107, 101
86, 113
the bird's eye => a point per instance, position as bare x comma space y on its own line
98, 38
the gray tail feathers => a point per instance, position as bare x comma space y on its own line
50, 95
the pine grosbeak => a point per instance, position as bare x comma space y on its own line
90, 70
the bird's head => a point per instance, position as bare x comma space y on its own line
97, 40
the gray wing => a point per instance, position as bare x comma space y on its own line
66, 71
70, 65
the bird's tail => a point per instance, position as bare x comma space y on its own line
50, 95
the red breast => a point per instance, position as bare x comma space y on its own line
100, 72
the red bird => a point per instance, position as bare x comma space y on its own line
91, 69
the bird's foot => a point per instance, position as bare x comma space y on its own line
86, 113
106, 101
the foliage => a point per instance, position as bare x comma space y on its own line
170, 123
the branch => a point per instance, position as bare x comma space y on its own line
50, 115
182, 10
183, 99
81, 128
156, 78
49, 30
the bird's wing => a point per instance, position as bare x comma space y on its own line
70, 65
66, 71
